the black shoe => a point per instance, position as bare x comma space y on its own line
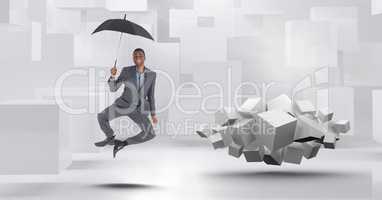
108, 140
118, 145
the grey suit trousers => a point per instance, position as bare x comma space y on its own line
142, 120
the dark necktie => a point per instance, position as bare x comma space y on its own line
139, 81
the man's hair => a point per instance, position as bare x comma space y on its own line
139, 50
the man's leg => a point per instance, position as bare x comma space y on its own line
147, 130
104, 119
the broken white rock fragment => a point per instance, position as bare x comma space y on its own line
305, 107
325, 114
220, 140
235, 150
250, 107
273, 157
280, 103
311, 149
243, 132
330, 140
308, 129
205, 131
254, 153
277, 129
277, 135
340, 126
294, 153
227, 115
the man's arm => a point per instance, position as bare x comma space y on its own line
151, 96
115, 83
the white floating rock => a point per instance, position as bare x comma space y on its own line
227, 138
235, 150
244, 138
305, 107
277, 129
250, 107
205, 131
310, 149
325, 115
312, 117
243, 132
294, 153
286, 132
308, 129
227, 115
330, 140
340, 126
220, 140
202, 133
273, 157
219, 129
254, 153
216, 141
281, 103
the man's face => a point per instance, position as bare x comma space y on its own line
139, 58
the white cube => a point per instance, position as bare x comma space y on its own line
205, 131
330, 140
227, 115
219, 129
325, 114
235, 150
254, 153
126, 5
243, 132
311, 44
32, 139
220, 140
278, 129
346, 20
250, 107
305, 107
311, 149
340, 126
274, 157
308, 129
294, 153
281, 103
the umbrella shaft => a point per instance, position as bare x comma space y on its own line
119, 46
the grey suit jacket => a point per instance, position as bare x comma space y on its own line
130, 96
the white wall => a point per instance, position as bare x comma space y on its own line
377, 115
269, 40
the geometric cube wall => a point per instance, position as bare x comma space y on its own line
311, 44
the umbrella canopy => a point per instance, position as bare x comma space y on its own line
123, 26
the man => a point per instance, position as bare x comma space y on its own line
137, 102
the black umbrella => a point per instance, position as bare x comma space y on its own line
123, 26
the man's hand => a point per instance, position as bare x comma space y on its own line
113, 71
154, 118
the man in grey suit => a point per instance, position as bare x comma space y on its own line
137, 102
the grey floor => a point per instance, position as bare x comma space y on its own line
188, 168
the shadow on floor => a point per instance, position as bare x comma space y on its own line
86, 164
117, 186
283, 174
181, 141
294, 184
